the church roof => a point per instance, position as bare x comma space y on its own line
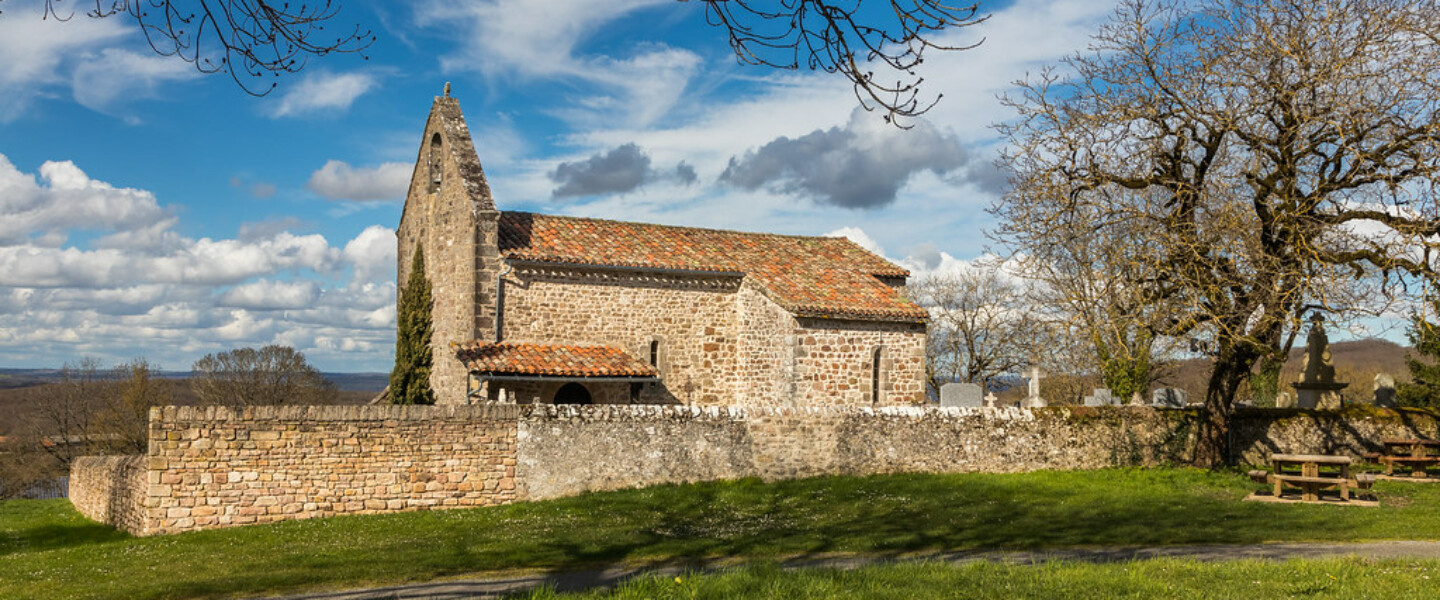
809, 276
550, 360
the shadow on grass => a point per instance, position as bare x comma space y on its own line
39, 525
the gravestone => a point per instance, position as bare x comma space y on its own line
1169, 398
1033, 399
990, 400
1385, 390
1101, 397
961, 394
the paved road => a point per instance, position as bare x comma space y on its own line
580, 580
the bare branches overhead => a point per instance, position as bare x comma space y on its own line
249, 39
836, 37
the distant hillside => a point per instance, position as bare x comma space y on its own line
345, 382
1356, 362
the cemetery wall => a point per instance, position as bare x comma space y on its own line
217, 467
111, 489
1352, 431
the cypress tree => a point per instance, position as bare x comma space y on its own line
410, 381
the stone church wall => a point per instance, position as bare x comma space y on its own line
691, 321
835, 362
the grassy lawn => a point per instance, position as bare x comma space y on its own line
1351, 579
48, 551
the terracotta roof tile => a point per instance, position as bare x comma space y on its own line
555, 361
810, 276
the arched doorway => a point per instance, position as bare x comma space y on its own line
572, 393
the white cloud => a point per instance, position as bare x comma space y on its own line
338, 180
105, 81
322, 91
35, 52
65, 199
176, 298
857, 235
267, 294
541, 40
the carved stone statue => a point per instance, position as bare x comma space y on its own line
1317, 387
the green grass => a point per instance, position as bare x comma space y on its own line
1351, 579
47, 551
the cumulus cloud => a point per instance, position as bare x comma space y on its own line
271, 295
323, 92
861, 165
143, 289
545, 40
858, 235
338, 180
64, 198
620, 170
36, 53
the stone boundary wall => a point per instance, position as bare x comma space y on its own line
217, 467
111, 489
566, 450
1352, 431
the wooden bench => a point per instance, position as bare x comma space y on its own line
1309, 478
1417, 453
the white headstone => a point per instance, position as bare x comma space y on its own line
990, 400
1101, 397
961, 394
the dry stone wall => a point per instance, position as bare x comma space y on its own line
112, 489
216, 467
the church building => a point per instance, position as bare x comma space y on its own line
532, 308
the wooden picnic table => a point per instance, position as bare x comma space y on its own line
1418, 453
1312, 473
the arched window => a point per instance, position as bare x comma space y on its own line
434, 156
875, 395
572, 393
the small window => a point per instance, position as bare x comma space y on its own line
655, 353
875, 395
435, 170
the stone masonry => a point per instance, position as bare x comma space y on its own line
218, 467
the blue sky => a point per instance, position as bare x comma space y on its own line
150, 211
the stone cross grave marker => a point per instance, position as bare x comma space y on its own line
990, 400
1033, 399
961, 394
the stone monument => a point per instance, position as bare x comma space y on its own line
1169, 398
1317, 387
960, 394
990, 400
1033, 399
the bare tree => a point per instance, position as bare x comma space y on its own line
980, 326
1083, 287
248, 39
270, 376
124, 420
1263, 157
836, 37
